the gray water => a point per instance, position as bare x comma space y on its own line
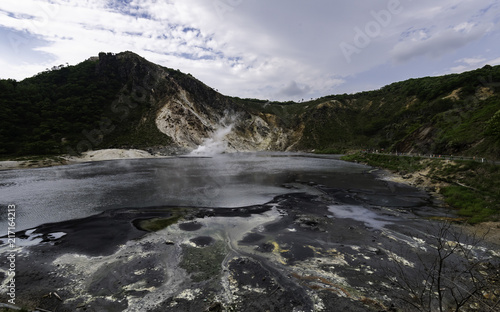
62, 193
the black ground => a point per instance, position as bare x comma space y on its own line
294, 253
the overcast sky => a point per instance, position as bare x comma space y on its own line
274, 49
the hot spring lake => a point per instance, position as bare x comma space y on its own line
228, 180
232, 232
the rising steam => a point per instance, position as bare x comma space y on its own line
215, 144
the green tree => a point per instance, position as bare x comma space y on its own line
493, 128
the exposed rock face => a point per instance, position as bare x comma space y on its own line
189, 122
189, 112
420, 140
261, 132
181, 121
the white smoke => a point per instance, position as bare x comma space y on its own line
215, 144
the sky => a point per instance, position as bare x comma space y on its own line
275, 49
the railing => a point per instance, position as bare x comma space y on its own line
437, 156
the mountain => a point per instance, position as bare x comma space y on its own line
124, 101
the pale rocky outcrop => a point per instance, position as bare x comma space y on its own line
190, 125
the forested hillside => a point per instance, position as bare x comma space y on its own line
56, 109
453, 114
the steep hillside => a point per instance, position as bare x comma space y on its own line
453, 114
122, 100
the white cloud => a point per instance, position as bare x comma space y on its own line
472, 63
249, 48
437, 44
471, 60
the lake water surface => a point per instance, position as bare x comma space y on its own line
62, 193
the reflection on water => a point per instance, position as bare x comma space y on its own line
229, 180
368, 217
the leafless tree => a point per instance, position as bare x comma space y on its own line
447, 276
